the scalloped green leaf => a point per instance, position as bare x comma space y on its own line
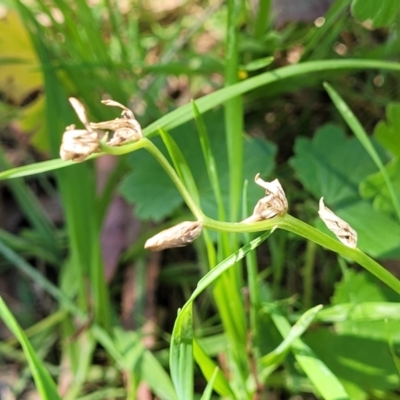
388, 132
375, 188
332, 165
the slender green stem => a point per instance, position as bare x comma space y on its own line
233, 113
308, 274
263, 19
306, 231
194, 208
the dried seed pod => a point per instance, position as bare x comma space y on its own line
343, 231
80, 111
273, 204
126, 129
78, 144
178, 236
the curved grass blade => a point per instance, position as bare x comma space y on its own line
362, 136
273, 359
44, 383
209, 368
183, 114
326, 383
208, 390
180, 164
181, 349
181, 354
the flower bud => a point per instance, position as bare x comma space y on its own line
178, 236
343, 231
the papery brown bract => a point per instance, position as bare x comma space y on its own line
343, 231
273, 204
179, 235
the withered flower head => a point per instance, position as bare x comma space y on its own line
78, 144
273, 204
126, 129
343, 231
178, 236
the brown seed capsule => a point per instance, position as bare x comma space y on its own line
178, 236
343, 231
78, 144
273, 204
126, 129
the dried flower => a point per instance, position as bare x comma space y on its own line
78, 144
273, 204
343, 231
178, 236
126, 129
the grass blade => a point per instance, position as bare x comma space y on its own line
275, 357
326, 383
208, 390
181, 354
44, 383
211, 372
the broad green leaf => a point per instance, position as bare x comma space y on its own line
360, 133
155, 196
375, 13
44, 383
388, 132
374, 187
360, 289
332, 166
362, 364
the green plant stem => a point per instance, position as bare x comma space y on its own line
262, 20
308, 274
233, 113
286, 222
306, 231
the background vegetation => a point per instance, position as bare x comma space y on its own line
301, 92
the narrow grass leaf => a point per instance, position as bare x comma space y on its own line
181, 354
210, 162
208, 390
156, 377
181, 349
211, 372
183, 114
276, 356
325, 382
180, 164
44, 383
362, 136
